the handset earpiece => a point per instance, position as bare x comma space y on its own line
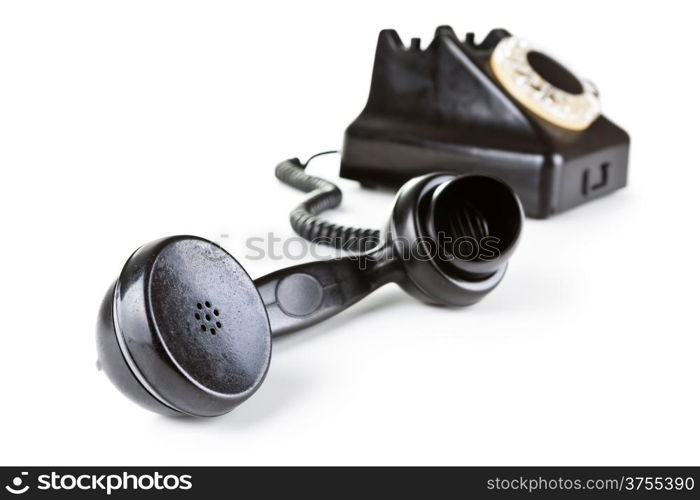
185, 330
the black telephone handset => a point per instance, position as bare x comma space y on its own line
184, 330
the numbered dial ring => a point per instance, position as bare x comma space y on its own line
543, 85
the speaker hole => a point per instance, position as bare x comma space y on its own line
203, 328
197, 316
212, 331
216, 312
199, 306
218, 324
207, 304
208, 317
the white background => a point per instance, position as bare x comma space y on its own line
121, 122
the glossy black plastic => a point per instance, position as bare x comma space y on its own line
185, 330
442, 108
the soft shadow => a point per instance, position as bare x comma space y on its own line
282, 388
278, 390
617, 202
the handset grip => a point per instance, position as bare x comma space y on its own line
303, 295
